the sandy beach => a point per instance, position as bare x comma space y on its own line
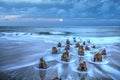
18, 57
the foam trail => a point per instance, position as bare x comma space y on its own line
26, 58
59, 70
100, 73
113, 73
21, 66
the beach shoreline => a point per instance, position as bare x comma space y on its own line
23, 52
20, 51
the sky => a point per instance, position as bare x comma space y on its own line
59, 12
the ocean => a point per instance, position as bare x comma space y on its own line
21, 48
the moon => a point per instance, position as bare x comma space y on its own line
60, 19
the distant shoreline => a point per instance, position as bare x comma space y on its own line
60, 26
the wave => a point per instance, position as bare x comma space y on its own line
57, 36
30, 33
81, 33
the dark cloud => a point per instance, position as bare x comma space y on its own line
62, 8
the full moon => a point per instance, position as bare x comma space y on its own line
60, 19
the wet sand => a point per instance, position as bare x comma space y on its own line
18, 58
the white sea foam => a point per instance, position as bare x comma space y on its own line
57, 32
55, 38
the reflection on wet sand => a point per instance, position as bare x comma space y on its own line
42, 74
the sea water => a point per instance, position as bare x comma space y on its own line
22, 46
101, 33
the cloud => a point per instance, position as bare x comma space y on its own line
34, 1
62, 8
62, 13
9, 17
